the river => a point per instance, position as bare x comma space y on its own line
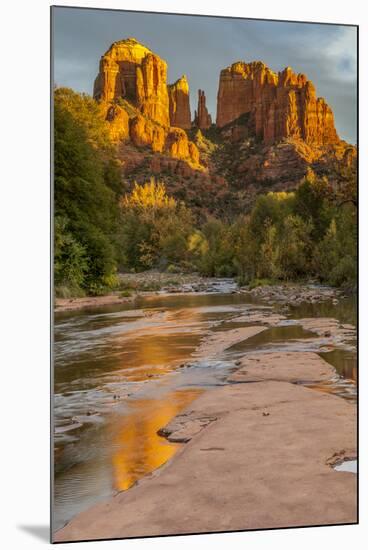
122, 372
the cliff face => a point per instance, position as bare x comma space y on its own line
202, 118
118, 70
179, 107
279, 106
130, 71
152, 96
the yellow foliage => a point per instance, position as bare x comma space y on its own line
151, 195
198, 243
281, 195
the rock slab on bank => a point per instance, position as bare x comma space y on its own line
295, 367
259, 455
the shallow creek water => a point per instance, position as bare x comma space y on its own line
122, 372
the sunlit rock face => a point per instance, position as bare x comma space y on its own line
118, 120
179, 107
171, 141
179, 146
130, 71
202, 118
145, 132
279, 105
140, 106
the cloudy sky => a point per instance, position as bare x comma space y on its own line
201, 46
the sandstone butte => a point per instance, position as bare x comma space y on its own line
132, 83
279, 106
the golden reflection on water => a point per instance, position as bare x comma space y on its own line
138, 450
155, 355
156, 350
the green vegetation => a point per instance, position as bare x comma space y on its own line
86, 198
126, 293
154, 228
291, 236
102, 228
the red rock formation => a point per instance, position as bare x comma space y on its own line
144, 132
201, 118
179, 107
131, 71
152, 96
172, 141
279, 162
179, 146
117, 74
279, 105
159, 164
118, 120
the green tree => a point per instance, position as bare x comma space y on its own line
269, 253
82, 194
245, 251
155, 228
295, 246
217, 251
335, 258
312, 204
274, 208
70, 260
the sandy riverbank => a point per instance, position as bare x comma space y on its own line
258, 453
71, 304
141, 284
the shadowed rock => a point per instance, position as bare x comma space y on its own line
179, 106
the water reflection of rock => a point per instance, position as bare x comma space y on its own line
138, 449
269, 443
